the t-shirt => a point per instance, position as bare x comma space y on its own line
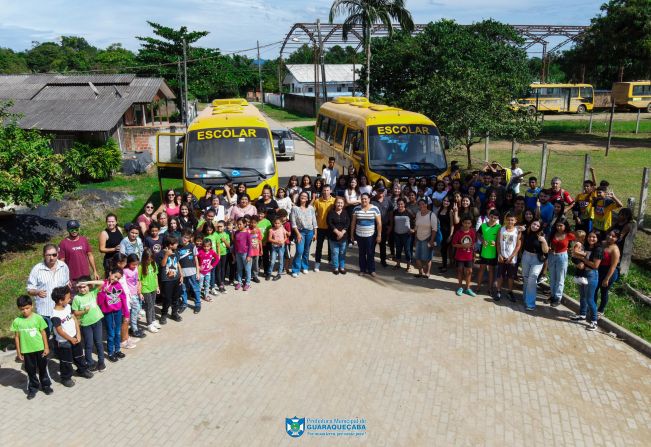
187, 261
546, 212
438, 196
149, 282
131, 278
464, 237
127, 247
584, 205
403, 222
256, 242
515, 183
603, 213
264, 225
155, 245
425, 225
594, 254
269, 208
385, 207
94, 313
63, 318
561, 195
365, 225
560, 246
321, 208
531, 198
75, 254
219, 240
242, 242
207, 260
489, 237
169, 271
279, 234
29, 332
508, 242
330, 177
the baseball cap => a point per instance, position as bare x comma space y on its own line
380, 189
515, 160
73, 225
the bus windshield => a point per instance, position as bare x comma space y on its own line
413, 148
229, 152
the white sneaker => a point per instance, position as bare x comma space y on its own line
317, 265
152, 328
294, 275
157, 324
127, 344
304, 271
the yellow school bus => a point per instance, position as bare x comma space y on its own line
571, 98
378, 140
228, 141
633, 95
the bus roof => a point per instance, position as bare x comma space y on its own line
361, 113
559, 85
231, 112
633, 83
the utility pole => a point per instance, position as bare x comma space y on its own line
322, 62
185, 81
179, 79
257, 42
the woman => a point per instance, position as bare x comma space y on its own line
169, 204
283, 201
403, 229
188, 199
318, 185
396, 193
187, 221
608, 269
426, 226
174, 228
535, 248
591, 257
527, 218
293, 189
352, 199
243, 208
623, 226
206, 200
303, 220
109, 240
437, 195
145, 218
306, 186
445, 227
364, 187
366, 229
267, 203
338, 224
342, 185
558, 260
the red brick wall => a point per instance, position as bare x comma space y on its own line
141, 139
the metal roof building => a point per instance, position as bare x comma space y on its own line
340, 78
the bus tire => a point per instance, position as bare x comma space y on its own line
531, 110
581, 109
648, 108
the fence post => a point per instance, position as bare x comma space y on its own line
637, 122
610, 126
486, 143
586, 167
514, 146
627, 251
543, 164
590, 125
644, 193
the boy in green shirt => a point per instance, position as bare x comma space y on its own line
488, 255
85, 307
264, 225
32, 346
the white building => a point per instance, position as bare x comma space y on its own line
340, 79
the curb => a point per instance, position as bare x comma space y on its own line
300, 137
639, 295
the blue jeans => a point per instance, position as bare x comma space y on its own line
557, 264
302, 256
277, 253
531, 268
403, 242
205, 283
587, 293
337, 252
603, 272
92, 335
243, 267
192, 283
366, 246
113, 323
136, 305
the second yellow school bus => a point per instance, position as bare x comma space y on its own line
634, 95
572, 98
379, 141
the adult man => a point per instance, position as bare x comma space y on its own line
330, 174
558, 193
386, 208
43, 278
75, 251
322, 207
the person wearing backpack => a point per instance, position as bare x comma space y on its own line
426, 226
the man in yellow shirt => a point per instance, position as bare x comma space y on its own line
322, 206
583, 211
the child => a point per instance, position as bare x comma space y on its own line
284, 218
488, 232
153, 241
208, 259
256, 247
232, 264
112, 300
278, 236
531, 194
134, 292
31, 346
86, 309
264, 225
148, 277
190, 267
120, 261
67, 338
580, 277
209, 232
222, 248
242, 240
508, 247
171, 279
464, 240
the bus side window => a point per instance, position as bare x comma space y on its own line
575, 92
323, 128
352, 136
339, 134
586, 93
330, 131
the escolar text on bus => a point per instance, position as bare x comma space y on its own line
226, 133
399, 130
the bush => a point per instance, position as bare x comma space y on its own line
93, 163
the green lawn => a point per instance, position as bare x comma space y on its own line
599, 126
281, 114
15, 268
306, 132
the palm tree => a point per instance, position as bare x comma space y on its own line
367, 13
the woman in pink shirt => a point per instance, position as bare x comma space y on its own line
243, 208
169, 204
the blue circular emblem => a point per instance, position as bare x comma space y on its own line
235, 173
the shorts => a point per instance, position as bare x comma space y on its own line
507, 271
423, 251
464, 264
487, 261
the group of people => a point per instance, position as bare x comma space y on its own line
198, 248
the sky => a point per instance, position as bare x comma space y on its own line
237, 24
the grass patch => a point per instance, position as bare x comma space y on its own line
599, 126
279, 114
15, 267
306, 132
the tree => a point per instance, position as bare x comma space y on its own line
367, 13
303, 55
11, 62
30, 172
115, 58
44, 57
463, 77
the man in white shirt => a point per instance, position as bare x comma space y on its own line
330, 174
516, 175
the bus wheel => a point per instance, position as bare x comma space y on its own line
531, 110
648, 108
581, 109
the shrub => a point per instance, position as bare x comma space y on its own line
93, 163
